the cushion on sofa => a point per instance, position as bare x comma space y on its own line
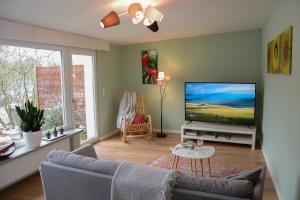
82, 162
234, 188
252, 176
86, 150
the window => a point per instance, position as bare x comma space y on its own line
58, 79
30, 74
83, 94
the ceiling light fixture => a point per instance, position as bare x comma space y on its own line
112, 19
150, 15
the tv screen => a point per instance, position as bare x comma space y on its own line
228, 103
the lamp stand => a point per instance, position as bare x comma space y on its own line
162, 89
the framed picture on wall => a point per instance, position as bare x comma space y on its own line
280, 53
285, 55
149, 66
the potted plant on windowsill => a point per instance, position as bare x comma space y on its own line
32, 119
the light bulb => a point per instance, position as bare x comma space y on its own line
101, 24
148, 22
139, 15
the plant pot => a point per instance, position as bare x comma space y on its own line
33, 139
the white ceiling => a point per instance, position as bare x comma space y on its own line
182, 18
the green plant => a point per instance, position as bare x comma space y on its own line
32, 117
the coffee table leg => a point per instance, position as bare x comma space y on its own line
173, 162
177, 162
191, 165
209, 167
195, 166
201, 166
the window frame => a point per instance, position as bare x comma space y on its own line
66, 76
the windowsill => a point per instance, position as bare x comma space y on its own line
22, 149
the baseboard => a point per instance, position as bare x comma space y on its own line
154, 130
167, 131
110, 134
272, 176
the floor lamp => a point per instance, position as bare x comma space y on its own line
162, 81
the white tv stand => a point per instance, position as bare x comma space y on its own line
219, 133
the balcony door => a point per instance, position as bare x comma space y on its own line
84, 115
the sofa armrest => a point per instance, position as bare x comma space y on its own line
259, 186
86, 150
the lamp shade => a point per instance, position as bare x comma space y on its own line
161, 75
153, 27
112, 19
134, 8
168, 78
153, 14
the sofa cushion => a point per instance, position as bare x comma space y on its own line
234, 188
82, 162
252, 176
86, 150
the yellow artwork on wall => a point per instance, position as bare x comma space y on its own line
275, 55
280, 53
286, 51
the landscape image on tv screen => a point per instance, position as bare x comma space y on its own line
226, 103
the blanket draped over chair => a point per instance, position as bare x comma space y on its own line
127, 108
138, 182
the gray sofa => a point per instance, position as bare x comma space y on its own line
80, 175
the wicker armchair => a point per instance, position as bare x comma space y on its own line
137, 130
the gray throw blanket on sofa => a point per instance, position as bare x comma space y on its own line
138, 182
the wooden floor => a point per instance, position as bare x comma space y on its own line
142, 151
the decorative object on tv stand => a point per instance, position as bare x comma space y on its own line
149, 64
138, 13
162, 81
32, 119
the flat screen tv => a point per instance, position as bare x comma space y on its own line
226, 103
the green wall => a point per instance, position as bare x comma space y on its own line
230, 57
108, 79
233, 57
281, 113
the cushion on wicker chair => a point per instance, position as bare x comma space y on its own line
138, 119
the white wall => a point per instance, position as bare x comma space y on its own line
281, 109
23, 32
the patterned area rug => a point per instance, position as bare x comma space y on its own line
184, 166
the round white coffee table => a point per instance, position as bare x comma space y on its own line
198, 153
